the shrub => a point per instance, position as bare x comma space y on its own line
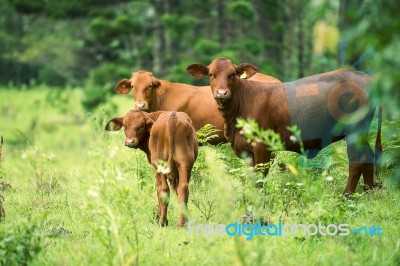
19, 244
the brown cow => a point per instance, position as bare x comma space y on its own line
154, 94
166, 136
326, 107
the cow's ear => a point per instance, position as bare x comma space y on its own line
114, 124
158, 87
124, 86
245, 70
197, 70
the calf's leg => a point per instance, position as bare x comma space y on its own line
163, 197
183, 192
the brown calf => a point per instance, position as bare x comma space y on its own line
152, 94
166, 136
326, 107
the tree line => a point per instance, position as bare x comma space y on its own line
80, 42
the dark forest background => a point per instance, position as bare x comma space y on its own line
83, 43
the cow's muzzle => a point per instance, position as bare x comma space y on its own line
131, 143
222, 94
141, 106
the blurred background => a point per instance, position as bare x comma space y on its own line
86, 42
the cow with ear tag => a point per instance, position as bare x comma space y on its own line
163, 136
326, 108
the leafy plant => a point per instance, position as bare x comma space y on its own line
20, 243
206, 133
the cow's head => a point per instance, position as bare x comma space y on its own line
145, 89
137, 126
223, 76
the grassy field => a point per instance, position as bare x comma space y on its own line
74, 195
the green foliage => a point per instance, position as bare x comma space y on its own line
391, 157
106, 28
207, 47
207, 133
2, 211
254, 133
178, 24
253, 46
243, 10
94, 96
19, 243
109, 74
62, 9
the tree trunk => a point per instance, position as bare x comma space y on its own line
221, 21
300, 39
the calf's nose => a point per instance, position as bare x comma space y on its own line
130, 142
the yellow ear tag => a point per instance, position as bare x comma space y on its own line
244, 75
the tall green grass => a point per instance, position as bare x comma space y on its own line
79, 197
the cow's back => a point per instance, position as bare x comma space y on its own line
173, 139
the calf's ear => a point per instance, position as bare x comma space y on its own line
114, 124
124, 86
246, 70
197, 70
149, 123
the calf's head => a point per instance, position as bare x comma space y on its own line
137, 126
223, 76
145, 89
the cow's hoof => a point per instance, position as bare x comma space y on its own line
163, 223
180, 225
372, 188
347, 194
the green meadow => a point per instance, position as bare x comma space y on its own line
73, 194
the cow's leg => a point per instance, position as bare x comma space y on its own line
261, 155
162, 192
355, 170
183, 191
368, 175
361, 161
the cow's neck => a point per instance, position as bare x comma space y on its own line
173, 91
230, 110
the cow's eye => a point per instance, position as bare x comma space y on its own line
210, 75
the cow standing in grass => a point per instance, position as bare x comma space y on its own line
152, 94
163, 136
325, 107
